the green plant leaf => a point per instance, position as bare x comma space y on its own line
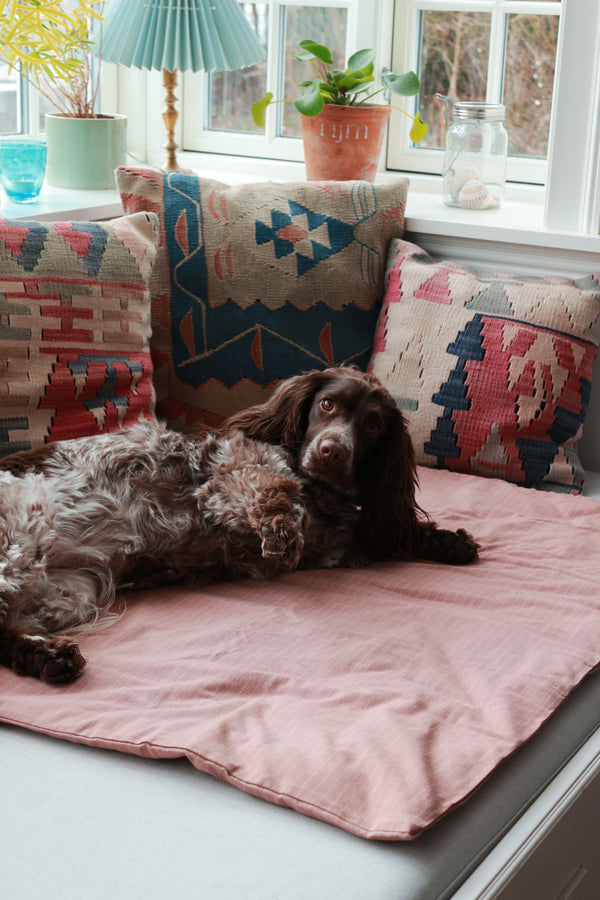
333, 76
318, 50
358, 89
349, 83
311, 102
361, 59
366, 72
259, 110
408, 84
418, 130
329, 90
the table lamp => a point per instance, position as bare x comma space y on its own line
179, 35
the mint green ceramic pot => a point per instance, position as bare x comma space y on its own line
84, 153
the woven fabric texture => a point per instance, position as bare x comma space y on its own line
376, 699
258, 282
74, 328
492, 371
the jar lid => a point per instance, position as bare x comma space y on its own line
491, 112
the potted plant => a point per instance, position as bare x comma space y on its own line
51, 43
342, 131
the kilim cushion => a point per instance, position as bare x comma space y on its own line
257, 282
492, 371
74, 328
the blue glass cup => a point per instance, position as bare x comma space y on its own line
22, 168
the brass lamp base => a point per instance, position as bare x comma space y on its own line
170, 118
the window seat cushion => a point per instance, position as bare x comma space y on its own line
376, 699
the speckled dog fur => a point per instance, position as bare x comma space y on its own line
145, 506
321, 475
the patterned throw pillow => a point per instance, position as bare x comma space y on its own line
74, 328
257, 282
493, 371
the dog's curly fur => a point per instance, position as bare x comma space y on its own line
321, 475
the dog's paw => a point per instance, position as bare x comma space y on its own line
455, 548
52, 660
280, 519
282, 537
463, 549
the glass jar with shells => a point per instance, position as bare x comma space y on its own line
475, 162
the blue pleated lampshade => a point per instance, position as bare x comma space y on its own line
188, 35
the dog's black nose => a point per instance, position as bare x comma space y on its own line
332, 452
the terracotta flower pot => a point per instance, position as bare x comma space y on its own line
343, 143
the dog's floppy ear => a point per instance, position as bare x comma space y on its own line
282, 418
389, 527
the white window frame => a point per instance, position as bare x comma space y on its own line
405, 156
572, 194
572, 184
362, 26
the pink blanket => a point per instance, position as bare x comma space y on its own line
374, 699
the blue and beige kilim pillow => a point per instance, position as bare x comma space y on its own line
257, 282
492, 371
74, 328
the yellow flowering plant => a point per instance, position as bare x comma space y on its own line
49, 42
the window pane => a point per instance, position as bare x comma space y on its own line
9, 93
454, 61
233, 93
321, 24
528, 82
44, 106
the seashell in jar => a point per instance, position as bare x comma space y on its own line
474, 195
456, 179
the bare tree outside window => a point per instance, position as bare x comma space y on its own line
529, 81
454, 61
454, 57
233, 93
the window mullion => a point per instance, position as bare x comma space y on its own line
275, 66
495, 75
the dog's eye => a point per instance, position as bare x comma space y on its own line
372, 428
327, 404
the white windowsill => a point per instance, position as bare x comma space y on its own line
515, 230
56, 204
517, 221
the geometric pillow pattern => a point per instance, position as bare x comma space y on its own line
257, 282
74, 328
493, 372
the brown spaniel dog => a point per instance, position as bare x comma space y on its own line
353, 452
323, 474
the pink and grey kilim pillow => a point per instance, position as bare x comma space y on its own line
492, 371
74, 328
257, 282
